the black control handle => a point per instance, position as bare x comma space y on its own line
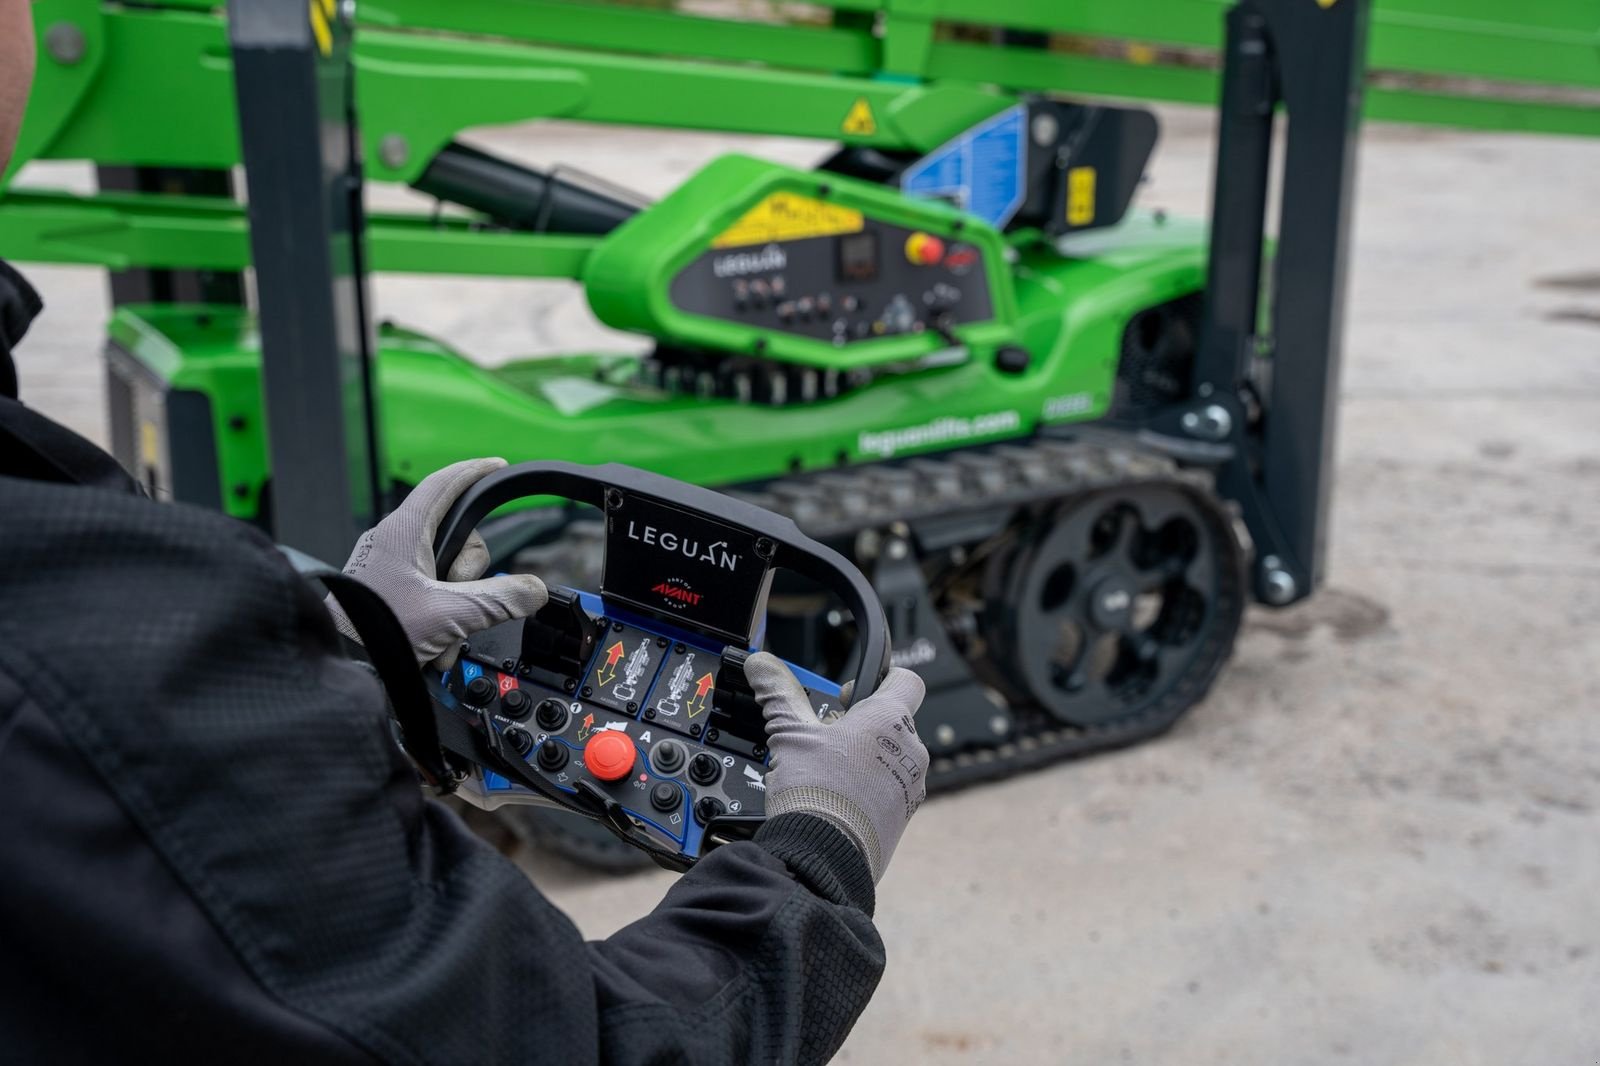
792, 549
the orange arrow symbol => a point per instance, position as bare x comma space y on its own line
609, 670
588, 724
697, 702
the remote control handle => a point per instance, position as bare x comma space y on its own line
793, 550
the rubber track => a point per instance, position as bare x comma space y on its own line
838, 505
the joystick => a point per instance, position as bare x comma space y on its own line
552, 756
665, 797
519, 739
479, 691
669, 757
708, 808
704, 769
552, 715
516, 704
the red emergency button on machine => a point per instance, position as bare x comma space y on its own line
609, 755
924, 249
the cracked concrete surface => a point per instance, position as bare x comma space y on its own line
1378, 841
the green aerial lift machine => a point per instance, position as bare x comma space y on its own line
1067, 439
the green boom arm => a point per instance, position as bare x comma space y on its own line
152, 86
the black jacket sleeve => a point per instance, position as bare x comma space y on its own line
212, 851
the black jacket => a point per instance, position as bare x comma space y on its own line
210, 851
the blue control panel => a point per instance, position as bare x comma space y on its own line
645, 717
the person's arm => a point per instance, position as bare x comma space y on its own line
764, 953
209, 817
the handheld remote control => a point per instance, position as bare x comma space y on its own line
629, 703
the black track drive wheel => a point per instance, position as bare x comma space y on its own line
1124, 605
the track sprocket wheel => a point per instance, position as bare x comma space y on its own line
1124, 604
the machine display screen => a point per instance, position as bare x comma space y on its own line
858, 257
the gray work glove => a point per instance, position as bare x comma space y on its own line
866, 772
395, 560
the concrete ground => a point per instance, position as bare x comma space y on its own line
1379, 840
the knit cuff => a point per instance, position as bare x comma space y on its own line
821, 857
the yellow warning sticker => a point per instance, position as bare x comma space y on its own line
786, 216
149, 444
321, 24
1080, 196
859, 122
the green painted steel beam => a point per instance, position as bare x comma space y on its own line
121, 230
634, 30
443, 67
1041, 71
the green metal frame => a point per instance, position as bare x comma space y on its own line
428, 69
439, 406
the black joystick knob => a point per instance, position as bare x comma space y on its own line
516, 704
479, 691
707, 808
704, 769
668, 757
665, 797
552, 716
552, 756
520, 739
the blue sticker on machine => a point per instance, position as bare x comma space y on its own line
980, 171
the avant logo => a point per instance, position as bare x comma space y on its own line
677, 593
735, 264
716, 553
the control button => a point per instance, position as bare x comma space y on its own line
665, 797
1011, 359
786, 311
707, 808
962, 258
480, 690
899, 316
778, 285
552, 756
517, 704
609, 755
924, 249
552, 715
520, 739
704, 769
803, 307
668, 757
850, 303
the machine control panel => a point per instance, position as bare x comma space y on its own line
873, 280
756, 260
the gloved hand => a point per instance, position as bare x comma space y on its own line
866, 772
395, 559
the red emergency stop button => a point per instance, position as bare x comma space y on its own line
609, 755
924, 249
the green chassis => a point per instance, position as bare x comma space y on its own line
438, 407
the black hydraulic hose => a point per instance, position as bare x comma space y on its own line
519, 197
